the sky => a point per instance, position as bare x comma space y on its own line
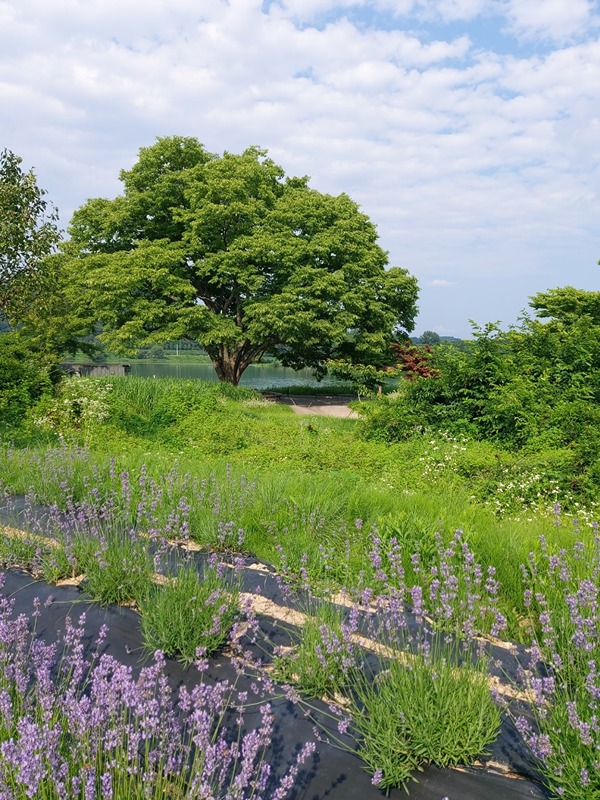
468, 130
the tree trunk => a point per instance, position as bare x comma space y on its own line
230, 363
226, 370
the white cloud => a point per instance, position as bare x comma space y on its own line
449, 10
471, 162
454, 10
558, 20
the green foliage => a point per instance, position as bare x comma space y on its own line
365, 379
170, 407
79, 406
35, 554
190, 612
24, 379
31, 297
430, 337
117, 565
228, 252
28, 233
568, 305
21, 552
423, 710
533, 389
389, 419
323, 660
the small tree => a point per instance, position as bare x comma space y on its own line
430, 338
413, 360
366, 379
404, 359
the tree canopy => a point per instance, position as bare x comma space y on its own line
28, 233
567, 304
229, 252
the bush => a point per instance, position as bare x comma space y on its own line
427, 710
391, 418
190, 612
24, 379
80, 405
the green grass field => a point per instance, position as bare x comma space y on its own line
309, 484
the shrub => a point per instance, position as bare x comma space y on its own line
24, 379
190, 611
425, 709
79, 406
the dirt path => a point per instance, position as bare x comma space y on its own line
322, 406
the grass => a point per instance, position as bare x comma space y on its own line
435, 522
245, 464
321, 390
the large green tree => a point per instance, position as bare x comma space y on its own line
567, 304
227, 251
28, 233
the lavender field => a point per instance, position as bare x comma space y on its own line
245, 619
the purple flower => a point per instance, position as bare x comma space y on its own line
377, 777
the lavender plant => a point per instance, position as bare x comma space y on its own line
189, 611
432, 707
50, 471
74, 727
563, 596
118, 566
421, 696
457, 593
324, 659
102, 538
32, 553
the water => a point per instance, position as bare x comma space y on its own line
256, 376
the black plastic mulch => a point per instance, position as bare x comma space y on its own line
333, 773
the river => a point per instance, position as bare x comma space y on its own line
257, 376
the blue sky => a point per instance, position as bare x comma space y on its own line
468, 130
